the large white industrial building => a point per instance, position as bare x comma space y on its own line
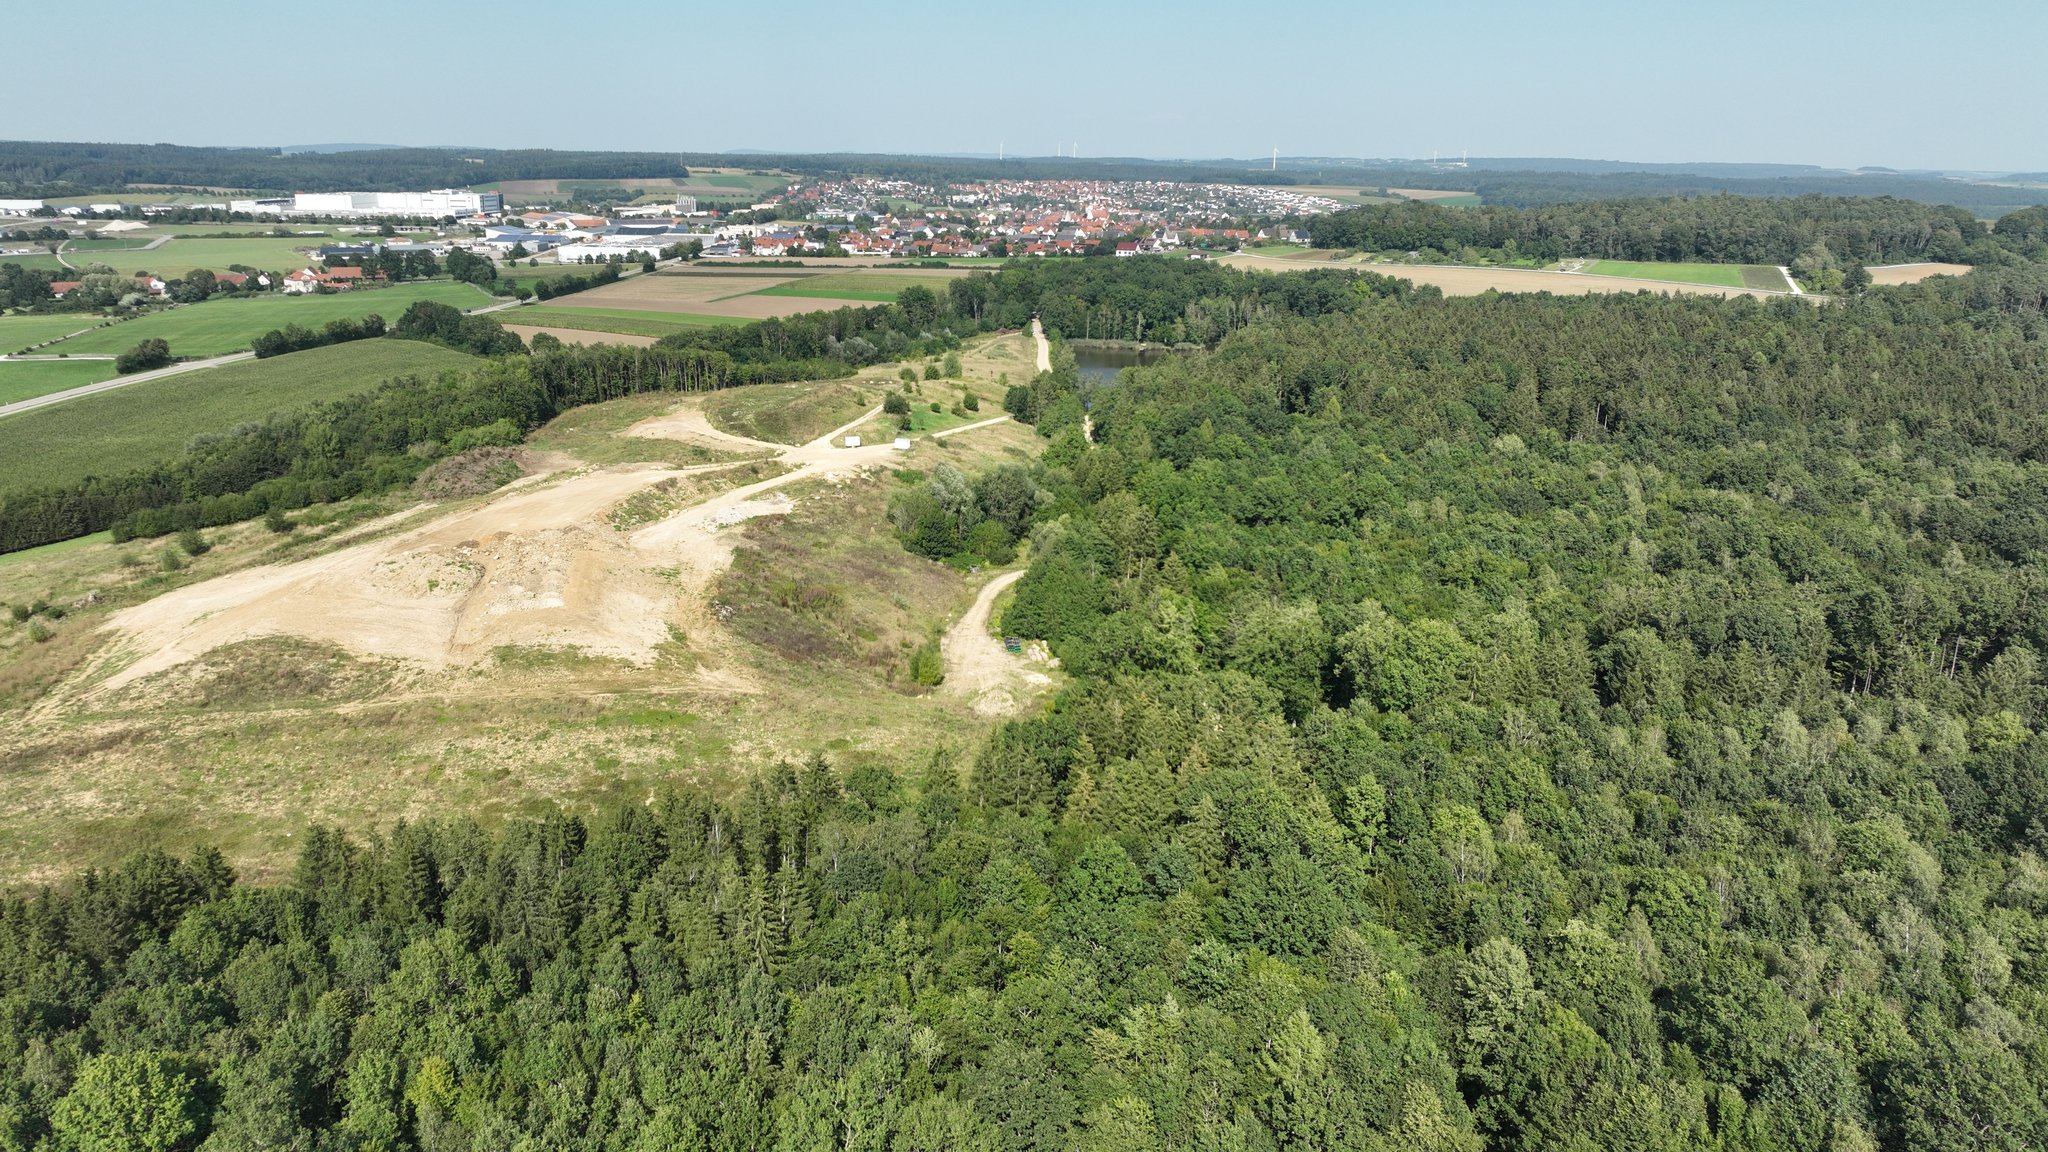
439, 202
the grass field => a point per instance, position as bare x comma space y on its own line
18, 332
626, 321
877, 286
218, 327
181, 255
35, 263
1726, 275
21, 380
809, 293
137, 425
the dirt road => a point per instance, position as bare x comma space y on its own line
1044, 347
977, 667
539, 565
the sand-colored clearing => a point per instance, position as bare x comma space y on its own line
539, 566
1462, 280
1913, 273
579, 336
1427, 193
978, 668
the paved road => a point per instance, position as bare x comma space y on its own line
118, 382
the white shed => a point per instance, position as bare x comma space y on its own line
853, 441
902, 444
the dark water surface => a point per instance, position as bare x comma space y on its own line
1102, 364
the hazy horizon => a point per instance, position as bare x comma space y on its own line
1743, 82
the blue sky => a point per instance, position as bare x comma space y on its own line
1903, 83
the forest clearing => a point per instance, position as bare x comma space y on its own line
423, 636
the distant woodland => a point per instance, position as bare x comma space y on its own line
1718, 229
46, 169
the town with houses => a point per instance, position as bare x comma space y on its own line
867, 218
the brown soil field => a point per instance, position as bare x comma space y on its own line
579, 336
1458, 280
711, 294
1914, 273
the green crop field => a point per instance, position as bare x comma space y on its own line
880, 286
35, 263
18, 332
810, 293
182, 254
24, 379
218, 327
625, 321
143, 423
1726, 275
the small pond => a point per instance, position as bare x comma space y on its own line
1100, 365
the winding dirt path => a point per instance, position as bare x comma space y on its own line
1044, 346
538, 565
977, 667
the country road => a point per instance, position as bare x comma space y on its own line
1787, 273
34, 402
1044, 346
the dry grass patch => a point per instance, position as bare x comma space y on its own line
579, 336
1914, 273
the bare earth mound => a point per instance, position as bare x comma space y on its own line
540, 566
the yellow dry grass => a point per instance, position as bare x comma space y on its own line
560, 642
1914, 273
579, 336
1462, 280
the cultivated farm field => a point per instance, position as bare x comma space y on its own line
26, 379
179, 255
18, 332
228, 325
579, 335
1470, 280
747, 294
142, 423
625, 321
1914, 273
878, 285
1760, 276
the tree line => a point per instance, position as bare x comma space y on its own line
1716, 229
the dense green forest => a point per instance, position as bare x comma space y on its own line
1534, 183
1725, 229
1513, 722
